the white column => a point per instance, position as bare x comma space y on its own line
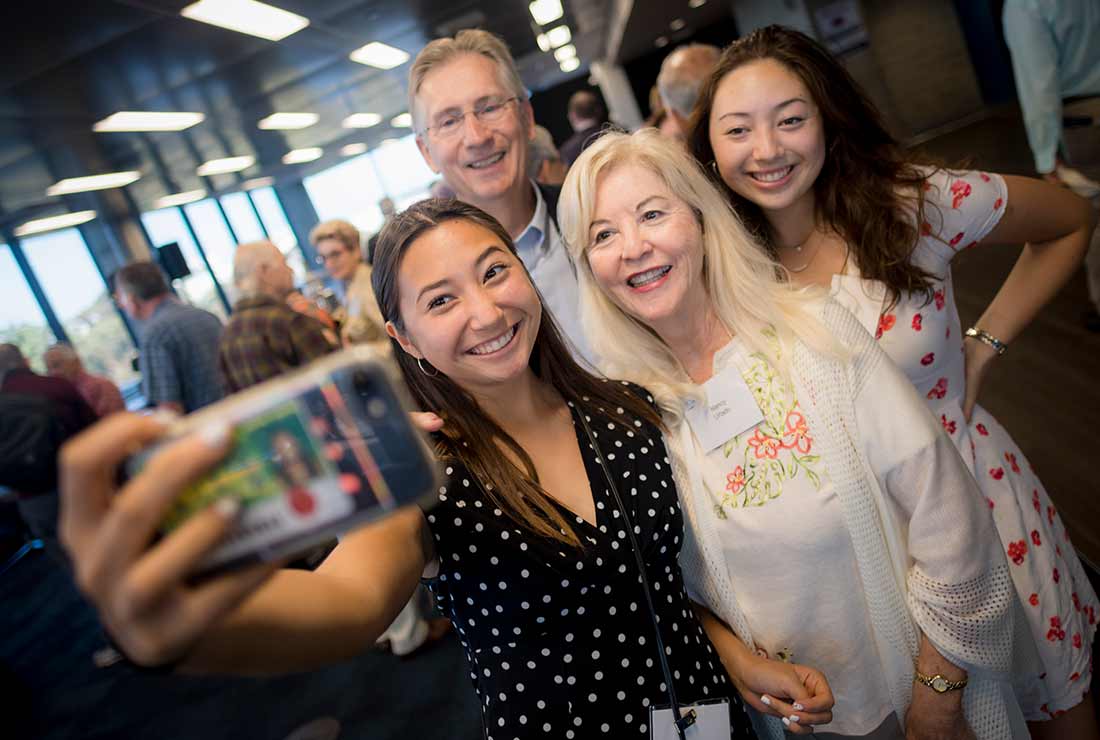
622, 107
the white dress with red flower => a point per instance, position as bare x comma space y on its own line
926, 342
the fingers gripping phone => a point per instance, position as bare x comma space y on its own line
314, 453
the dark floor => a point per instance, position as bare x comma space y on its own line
1044, 391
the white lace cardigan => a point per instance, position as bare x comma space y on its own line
924, 542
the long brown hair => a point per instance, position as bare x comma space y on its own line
470, 435
869, 188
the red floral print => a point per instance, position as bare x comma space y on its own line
1056, 576
940, 299
1035, 501
997, 473
1050, 515
885, 323
948, 334
1033, 600
981, 429
764, 446
997, 203
1076, 601
948, 424
1017, 551
939, 390
798, 433
989, 501
1076, 675
1035, 539
1077, 640
960, 190
928, 359
917, 322
1011, 459
956, 239
735, 481
985, 177
925, 228
1091, 611
1056, 633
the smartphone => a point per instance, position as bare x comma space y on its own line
314, 453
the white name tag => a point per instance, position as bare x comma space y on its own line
729, 409
712, 722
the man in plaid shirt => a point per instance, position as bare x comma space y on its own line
265, 337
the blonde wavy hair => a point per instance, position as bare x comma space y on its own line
743, 283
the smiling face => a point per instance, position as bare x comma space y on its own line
645, 247
768, 136
467, 306
339, 260
481, 162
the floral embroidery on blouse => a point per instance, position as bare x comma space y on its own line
773, 452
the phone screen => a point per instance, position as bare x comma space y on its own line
311, 462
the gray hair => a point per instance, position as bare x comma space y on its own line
542, 149
683, 73
444, 50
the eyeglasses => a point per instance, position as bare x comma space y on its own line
322, 259
490, 111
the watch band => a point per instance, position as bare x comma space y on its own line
938, 683
986, 338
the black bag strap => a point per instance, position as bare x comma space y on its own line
685, 721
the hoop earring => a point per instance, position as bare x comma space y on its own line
420, 364
714, 166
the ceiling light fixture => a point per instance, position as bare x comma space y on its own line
677, 24
258, 182
545, 11
225, 165
135, 120
179, 199
543, 41
570, 64
288, 121
661, 42
64, 221
361, 120
301, 156
696, 3
353, 150
93, 182
404, 120
247, 16
559, 36
382, 56
565, 52
390, 142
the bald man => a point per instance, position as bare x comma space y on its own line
265, 337
102, 395
680, 81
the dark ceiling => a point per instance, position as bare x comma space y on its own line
70, 64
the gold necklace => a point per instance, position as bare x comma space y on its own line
798, 250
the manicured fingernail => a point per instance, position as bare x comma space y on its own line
798, 707
786, 722
794, 718
227, 507
215, 434
765, 699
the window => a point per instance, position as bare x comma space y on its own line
80, 298
215, 238
349, 190
166, 225
405, 176
278, 228
21, 320
242, 218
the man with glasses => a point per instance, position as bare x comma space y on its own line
338, 250
474, 126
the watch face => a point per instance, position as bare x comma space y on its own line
939, 683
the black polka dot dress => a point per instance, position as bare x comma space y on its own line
558, 639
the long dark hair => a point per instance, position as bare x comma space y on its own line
869, 188
469, 434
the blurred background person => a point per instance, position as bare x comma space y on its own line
587, 116
102, 395
544, 163
179, 343
338, 249
682, 75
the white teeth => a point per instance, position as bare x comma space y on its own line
649, 276
488, 162
774, 176
493, 345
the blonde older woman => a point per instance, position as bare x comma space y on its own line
831, 521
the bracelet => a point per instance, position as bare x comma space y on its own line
986, 338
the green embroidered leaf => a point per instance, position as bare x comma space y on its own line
729, 447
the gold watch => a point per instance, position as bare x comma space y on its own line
938, 683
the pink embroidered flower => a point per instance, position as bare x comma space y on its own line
939, 390
885, 323
928, 359
1035, 539
1011, 459
764, 446
1033, 599
735, 481
997, 203
940, 299
917, 322
797, 435
960, 190
997, 473
956, 239
981, 429
1056, 575
1017, 551
948, 424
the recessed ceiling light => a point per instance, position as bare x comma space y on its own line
225, 165
661, 42
288, 121
258, 182
559, 36
677, 24
570, 64
545, 11
247, 16
565, 52
382, 56
389, 142
135, 120
696, 3
179, 199
543, 41
403, 120
93, 182
353, 150
300, 156
65, 220
362, 120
